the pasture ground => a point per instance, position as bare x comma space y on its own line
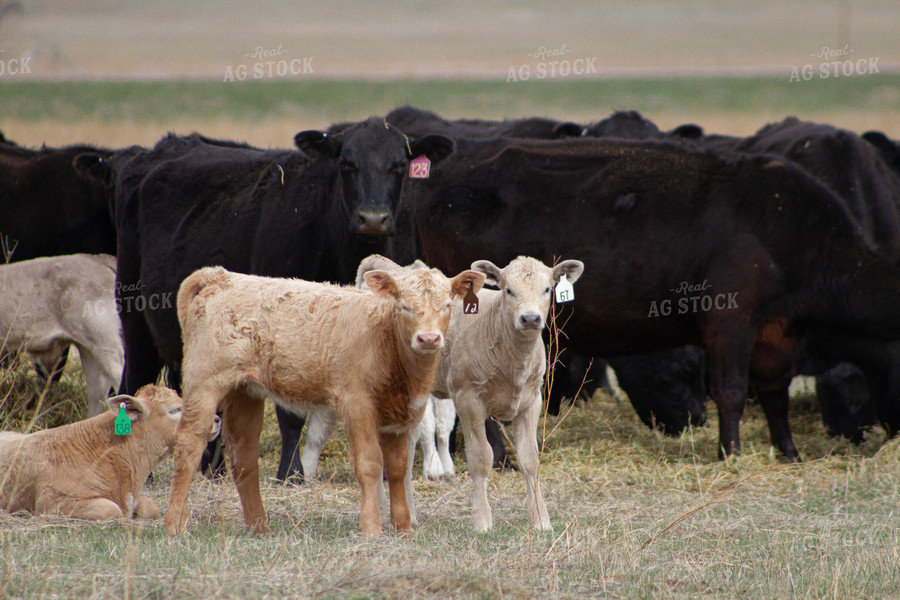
635, 515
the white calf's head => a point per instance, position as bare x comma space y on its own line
158, 409
423, 300
526, 286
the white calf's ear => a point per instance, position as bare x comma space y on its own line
374, 262
571, 268
492, 271
381, 282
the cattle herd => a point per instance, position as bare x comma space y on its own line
706, 265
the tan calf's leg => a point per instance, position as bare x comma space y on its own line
193, 432
93, 509
242, 421
478, 455
524, 428
146, 509
365, 452
394, 449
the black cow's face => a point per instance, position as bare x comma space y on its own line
373, 158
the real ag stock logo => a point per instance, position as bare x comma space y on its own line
843, 67
269, 65
693, 299
554, 63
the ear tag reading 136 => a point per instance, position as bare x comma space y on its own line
420, 167
470, 302
564, 290
123, 423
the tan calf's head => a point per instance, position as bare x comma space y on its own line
423, 299
158, 409
526, 285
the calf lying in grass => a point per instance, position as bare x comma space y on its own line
85, 470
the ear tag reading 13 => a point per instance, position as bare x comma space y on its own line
564, 290
123, 423
470, 302
420, 167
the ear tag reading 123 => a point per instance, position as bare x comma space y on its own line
123, 423
470, 302
564, 290
420, 167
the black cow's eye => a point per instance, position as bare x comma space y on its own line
347, 166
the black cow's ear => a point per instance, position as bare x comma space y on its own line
888, 149
92, 165
316, 143
435, 147
688, 131
568, 129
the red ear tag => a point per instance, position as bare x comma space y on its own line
420, 167
470, 302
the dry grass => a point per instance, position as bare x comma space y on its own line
635, 514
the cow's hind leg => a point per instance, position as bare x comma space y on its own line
242, 420
524, 429
200, 402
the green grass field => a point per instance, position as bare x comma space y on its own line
269, 112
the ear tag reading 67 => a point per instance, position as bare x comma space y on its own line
564, 290
470, 302
420, 167
123, 423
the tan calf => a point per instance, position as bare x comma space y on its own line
84, 470
494, 364
370, 356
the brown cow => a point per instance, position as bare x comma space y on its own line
369, 356
84, 470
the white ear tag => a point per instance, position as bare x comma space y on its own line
564, 290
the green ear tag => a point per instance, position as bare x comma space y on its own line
123, 423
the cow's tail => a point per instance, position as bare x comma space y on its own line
190, 288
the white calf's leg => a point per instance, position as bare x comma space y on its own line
524, 429
320, 424
431, 463
478, 455
444, 418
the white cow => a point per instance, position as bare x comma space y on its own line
48, 304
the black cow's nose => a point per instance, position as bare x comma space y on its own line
373, 222
530, 320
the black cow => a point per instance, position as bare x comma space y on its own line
193, 202
631, 125
54, 202
780, 251
417, 122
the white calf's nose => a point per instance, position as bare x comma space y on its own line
530, 320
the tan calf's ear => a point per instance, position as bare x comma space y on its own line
571, 268
381, 282
460, 283
374, 262
135, 408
